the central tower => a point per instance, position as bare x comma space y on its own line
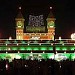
19, 25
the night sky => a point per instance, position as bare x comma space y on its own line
63, 11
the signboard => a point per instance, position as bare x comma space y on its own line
35, 29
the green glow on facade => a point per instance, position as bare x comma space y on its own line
7, 42
23, 42
25, 46
43, 48
64, 48
0, 49
70, 56
57, 48
14, 48
22, 48
67, 54
49, 54
15, 42
3, 48
35, 48
28, 48
50, 48
72, 48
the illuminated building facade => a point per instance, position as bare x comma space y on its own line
36, 45
37, 49
49, 35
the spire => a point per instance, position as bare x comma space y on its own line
50, 15
19, 14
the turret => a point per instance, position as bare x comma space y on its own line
19, 25
51, 25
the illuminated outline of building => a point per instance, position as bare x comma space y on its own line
43, 48
20, 35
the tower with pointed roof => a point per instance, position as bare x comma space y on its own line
51, 25
19, 25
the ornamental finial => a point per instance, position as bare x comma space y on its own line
20, 8
50, 7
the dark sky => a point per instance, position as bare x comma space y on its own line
63, 11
